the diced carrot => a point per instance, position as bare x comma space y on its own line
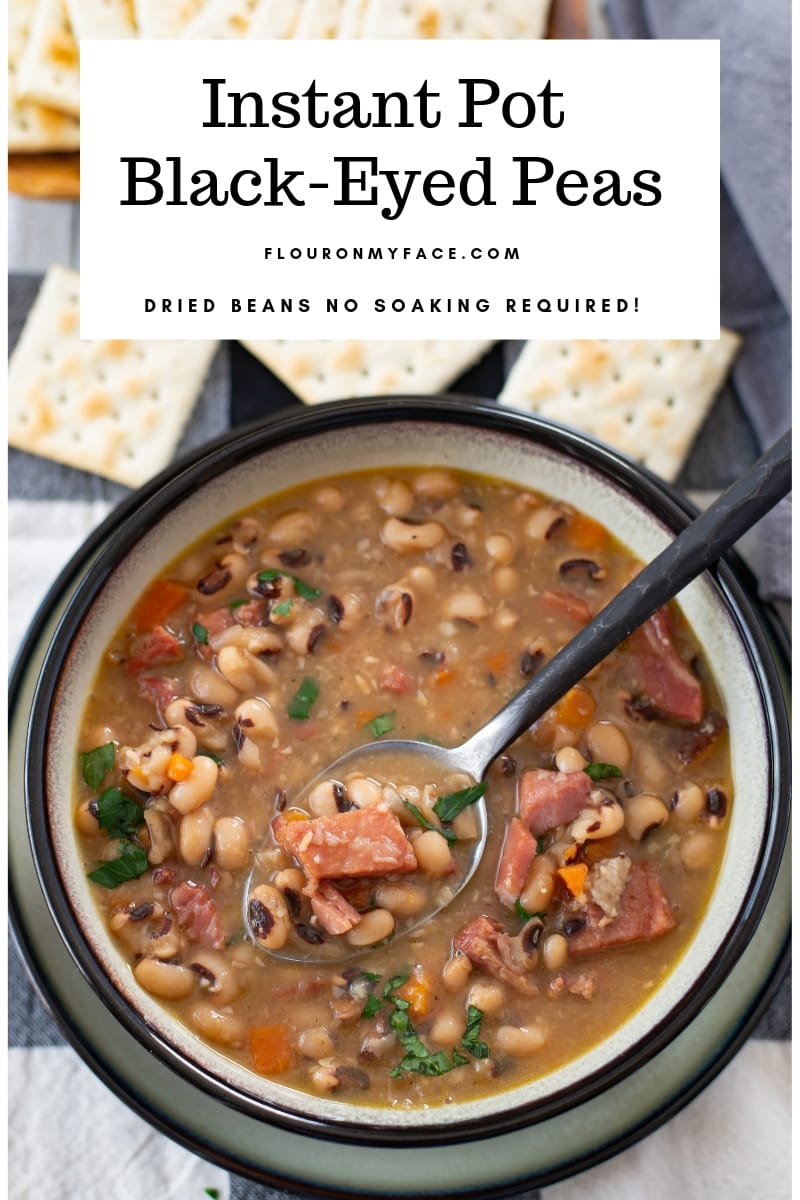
576, 708
586, 533
271, 1048
418, 991
365, 715
571, 853
179, 767
498, 662
295, 814
157, 603
443, 676
574, 877
138, 778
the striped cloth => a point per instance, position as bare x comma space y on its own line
70, 1139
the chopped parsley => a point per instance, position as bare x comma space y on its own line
212, 1192
95, 764
201, 633
471, 1041
540, 845
373, 1005
599, 770
417, 1057
218, 759
371, 976
422, 820
448, 807
299, 706
234, 604
383, 723
283, 609
118, 814
130, 863
303, 589
524, 915
396, 981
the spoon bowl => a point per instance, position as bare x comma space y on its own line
699, 546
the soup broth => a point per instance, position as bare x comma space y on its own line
409, 605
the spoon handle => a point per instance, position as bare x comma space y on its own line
695, 549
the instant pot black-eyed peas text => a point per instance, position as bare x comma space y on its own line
412, 603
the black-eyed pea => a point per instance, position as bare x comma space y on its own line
448, 1027
223, 1028
422, 578
397, 603
305, 633
322, 799
501, 548
215, 973
643, 814
85, 819
519, 1041
224, 577
455, 972
315, 1043
168, 981
347, 610
688, 803
464, 605
363, 792
294, 528
394, 496
161, 833
329, 499
268, 916
374, 926
256, 718
192, 793
210, 688
506, 581
406, 538
402, 899
432, 854
602, 819
489, 997
697, 849
465, 825
324, 1078
231, 843
243, 671
543, 522
555, 952
436, 485
195, 836
253, 638
608, 744
569, 759
538, 891
290, 879
505, 619
204, 725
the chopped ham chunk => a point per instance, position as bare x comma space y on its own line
660, 674
488, 946
568, 604
519, 850
363, 841
158, 688
644, 914
157, 646
549, 798
197, 915
397, 680
334, 913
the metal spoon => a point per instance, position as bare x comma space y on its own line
692, 551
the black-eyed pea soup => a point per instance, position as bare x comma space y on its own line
410, 604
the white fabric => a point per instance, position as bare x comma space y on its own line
78, 1142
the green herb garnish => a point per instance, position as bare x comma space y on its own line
118, 814
209, 754
396, 981
540, 845
471, 1041
448, 807
95, 764
303, 589
603, 771
521, 911
201, 633
383, 723
418, 1057
130, 863
299, 706
371, 976
423, 737
212, 1192
422, 820
283, 609
373, 1005
234, 604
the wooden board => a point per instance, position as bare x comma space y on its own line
58, 176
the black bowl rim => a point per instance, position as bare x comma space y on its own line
141, 512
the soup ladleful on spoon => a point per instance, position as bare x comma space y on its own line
693, 551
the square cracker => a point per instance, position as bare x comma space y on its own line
352, 20
101, 18
320, 19
647, 399
49, 65
165, 18
114, 408
277, 18
333, 370
32, 128
455, 19
235, 18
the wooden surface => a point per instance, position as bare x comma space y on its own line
57, 176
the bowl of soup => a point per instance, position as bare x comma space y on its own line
379, 569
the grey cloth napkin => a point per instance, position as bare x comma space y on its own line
755, 223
